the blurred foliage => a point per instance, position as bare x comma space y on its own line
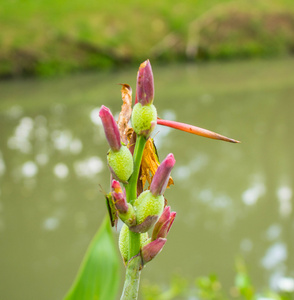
210, 288
52, 37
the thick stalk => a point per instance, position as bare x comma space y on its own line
132, 280
134, 238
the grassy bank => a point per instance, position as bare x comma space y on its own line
50, 37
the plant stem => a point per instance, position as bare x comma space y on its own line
132, 280
134, 238
131, 187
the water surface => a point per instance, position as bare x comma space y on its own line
230, 199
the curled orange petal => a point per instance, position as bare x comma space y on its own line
195, 130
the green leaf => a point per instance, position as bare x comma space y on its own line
98, 276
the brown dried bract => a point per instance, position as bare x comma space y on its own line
125, 113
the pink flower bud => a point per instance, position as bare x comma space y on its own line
119, 197
164, 224
161, 177
110, 128
145, 84
150, 250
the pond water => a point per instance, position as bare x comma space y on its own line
231, 199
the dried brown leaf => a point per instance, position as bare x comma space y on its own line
125, 113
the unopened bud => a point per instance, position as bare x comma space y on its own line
148, 209
145, 84
161, 177
119, 197
150, 250
164, 223
125, 210
110, 128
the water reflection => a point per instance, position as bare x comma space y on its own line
2, 165
230, 199
275, 256
89, 167
22, 135
29, 169
253, 193
284, 194
61, 170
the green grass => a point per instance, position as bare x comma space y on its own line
48, 37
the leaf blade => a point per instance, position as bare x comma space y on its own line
98, 275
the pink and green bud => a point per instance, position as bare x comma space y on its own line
148, 209
125, 210
110, 128
161, 177
119, 197
150, 250
164, 224
145, 84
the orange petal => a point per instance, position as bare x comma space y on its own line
195, 130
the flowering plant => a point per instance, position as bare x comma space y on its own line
132, 161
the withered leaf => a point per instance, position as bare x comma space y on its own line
125, 113
150, 163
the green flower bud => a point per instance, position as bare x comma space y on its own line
144, 119
123, 242
148, 209
120, 163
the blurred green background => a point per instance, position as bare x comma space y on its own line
223, 65
51, 36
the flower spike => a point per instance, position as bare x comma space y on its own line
195, 130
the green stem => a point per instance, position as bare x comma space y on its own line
131, 187
132, 279
134, 238
131, 286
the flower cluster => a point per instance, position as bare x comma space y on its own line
147, 218
147, 211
